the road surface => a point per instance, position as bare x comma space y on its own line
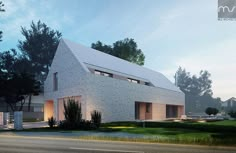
22, 144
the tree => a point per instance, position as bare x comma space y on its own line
211, 111
102, 47
232, 114
198, 93
183, 80
16, 88
204, 83
39, 47
192, 84
126, 49
9, 61
11, 66
1, 7
1, 10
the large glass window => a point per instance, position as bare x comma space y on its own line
171, 111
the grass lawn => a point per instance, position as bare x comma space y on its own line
215, 135
209, 133
161, 131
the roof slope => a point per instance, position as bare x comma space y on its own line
231, 99
91, 56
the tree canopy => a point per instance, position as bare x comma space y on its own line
22, 72
198, 92
39, 47
211, 111
1, 6
16, 84
126, 49
12, 62
16, 87
192, 84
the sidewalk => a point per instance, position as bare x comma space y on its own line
26, 125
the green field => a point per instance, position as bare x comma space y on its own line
208, 133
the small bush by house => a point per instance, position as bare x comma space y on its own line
51, 122
96, 118
211, 111
73, 117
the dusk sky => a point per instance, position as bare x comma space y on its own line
171, 33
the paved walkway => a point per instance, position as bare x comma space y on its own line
26, 125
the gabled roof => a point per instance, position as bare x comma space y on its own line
231, 99
89, 56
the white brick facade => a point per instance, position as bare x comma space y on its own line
113, 97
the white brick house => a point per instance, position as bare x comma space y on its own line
121, 90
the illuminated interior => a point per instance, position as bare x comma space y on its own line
48, 109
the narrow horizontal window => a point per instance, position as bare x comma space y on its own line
132, 80
103, 73
97, 72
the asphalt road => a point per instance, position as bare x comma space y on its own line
21, 144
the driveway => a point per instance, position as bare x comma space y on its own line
26, 125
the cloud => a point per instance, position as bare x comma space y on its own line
21, 13
219, 60
12, 7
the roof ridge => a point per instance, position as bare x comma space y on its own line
134, 64
92, 56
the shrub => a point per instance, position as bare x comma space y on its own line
64, 125
232, 114
73, 117
82, 125
72, 112
87, 125
51, 122
96, 118
211, 110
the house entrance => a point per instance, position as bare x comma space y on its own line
143, 111
48, 109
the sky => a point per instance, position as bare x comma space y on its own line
171, 33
